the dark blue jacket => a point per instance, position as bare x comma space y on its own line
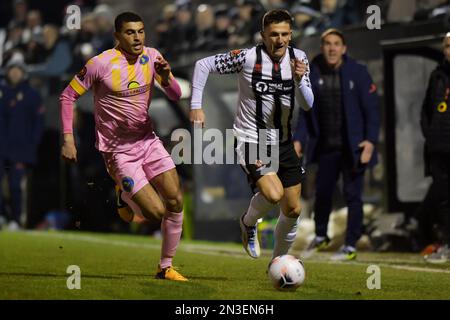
361, 110
21, 122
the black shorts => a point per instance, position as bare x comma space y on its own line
290, 170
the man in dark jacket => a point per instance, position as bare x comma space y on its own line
21, 125
339, 133
435, 123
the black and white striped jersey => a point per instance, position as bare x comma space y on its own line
267, 91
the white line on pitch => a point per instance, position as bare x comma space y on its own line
215, 250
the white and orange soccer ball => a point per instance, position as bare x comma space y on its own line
286, 272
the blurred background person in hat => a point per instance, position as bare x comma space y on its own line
21, 126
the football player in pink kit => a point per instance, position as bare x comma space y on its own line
122, 79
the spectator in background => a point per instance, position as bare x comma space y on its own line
183, 32
58, 54
408, 10
204, 22
13, 45
34, 49
162, 29
275, 4
33, 26
332, 14
435, 124
337, 14
32, 37
313, 4
21, 127
20, 8
246, 24
339, 133
83, 49
221, 27
104, 28
306, 20
440, 8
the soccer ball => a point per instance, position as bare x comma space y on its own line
286, 272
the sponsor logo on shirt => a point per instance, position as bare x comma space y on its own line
133, 85
133, 90
442, 107
273, 87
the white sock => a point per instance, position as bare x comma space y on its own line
259, 206
285, 233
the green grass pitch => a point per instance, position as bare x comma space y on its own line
33, 265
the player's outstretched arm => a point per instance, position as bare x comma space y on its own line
222, 63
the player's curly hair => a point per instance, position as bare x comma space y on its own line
126, 17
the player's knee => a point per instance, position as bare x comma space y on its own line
274, 196
156, 211
294, 212
126, 214
175, 203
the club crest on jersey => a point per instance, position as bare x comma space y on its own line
127, 184
82, 73
234, 53
144, 59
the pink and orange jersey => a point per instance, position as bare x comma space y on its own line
122, 95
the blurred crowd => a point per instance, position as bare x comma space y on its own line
183, 27
52, 50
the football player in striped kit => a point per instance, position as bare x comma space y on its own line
272, 78
123, 81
